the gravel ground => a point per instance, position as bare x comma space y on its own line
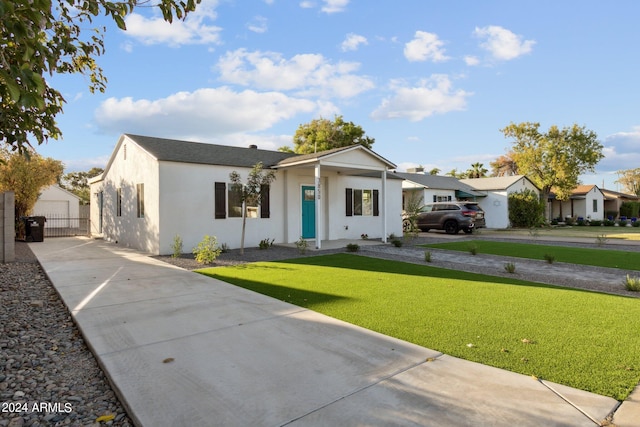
48, 376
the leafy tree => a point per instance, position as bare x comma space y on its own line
504, 165
250, 193
556, 158
434, 171
40, 37
78, 183
477, 171
26, 176
323, 134
630, 180
525, 209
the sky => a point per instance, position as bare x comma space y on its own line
433, 82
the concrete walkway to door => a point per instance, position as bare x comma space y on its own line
182, 349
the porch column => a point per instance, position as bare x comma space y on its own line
383, 211
318, 207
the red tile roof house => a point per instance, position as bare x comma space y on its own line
153, 189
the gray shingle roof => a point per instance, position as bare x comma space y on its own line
172, 150
439, 182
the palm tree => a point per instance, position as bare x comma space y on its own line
477, 171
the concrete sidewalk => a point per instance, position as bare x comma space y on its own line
182, 349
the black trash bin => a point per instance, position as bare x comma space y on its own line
34, 228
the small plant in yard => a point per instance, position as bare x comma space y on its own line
473, 249
510, 267
549, 258
534, 232
632, 283
601, 239
427, 256
392, 237
397, 243
207, 250
302, 245
266, 243
635, 223
176, 247
224, 248
353, 247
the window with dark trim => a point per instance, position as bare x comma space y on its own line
264, 201
140, 200
118, 201
595, 205
231, 193
362, 202
220, 200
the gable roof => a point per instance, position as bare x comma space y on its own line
314, 157
494, 183
439, 182
171, 150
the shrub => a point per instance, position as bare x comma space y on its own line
473, 249
581, 222
630, 209
207, 250
622, 223
525, 209
397, 243
549, 258
302, 245
427, 256
595, 223
568, 220
176, 246
632, 283
266, 243
224, 248
601, 239
353, 247
608, 223
636, 223
510, 267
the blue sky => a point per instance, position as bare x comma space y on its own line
432, 81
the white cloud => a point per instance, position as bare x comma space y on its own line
333, 6
307, 4
425, 47
306, 74
621, 150
195, 29
204, 113
352, 42
258, 25
502, 44
471, 60
431, 96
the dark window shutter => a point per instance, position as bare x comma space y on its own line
220, 200
349, 201
264, 201
376, 207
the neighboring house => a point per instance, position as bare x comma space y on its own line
496, 191
613, 200
435, 188
586, 202
59, 206
154, 189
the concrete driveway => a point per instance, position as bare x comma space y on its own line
182, 349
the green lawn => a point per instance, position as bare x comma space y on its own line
582, 339
590, 232
584, 256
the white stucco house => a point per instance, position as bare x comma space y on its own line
153, 189
435, 188
496, 191
59, 206
586, 202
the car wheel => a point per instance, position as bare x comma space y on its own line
451, 227
406, 225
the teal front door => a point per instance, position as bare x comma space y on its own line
308, 212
